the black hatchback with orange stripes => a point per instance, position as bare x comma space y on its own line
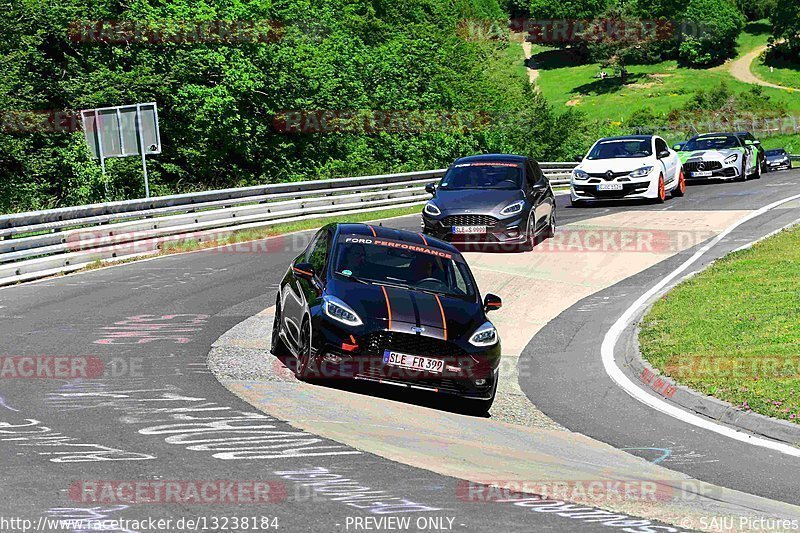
388, 306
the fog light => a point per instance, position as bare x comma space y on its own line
332, 358
480, 382
513, 233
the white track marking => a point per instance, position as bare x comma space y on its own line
616, 374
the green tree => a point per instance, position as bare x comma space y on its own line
712, 27
785, 19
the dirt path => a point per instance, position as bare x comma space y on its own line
533, 73
740, 69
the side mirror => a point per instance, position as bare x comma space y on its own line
757, 143
304, 271
677, 147
430, 188
578, 158
663, 154
492, 302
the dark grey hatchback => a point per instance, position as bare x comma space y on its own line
492, 199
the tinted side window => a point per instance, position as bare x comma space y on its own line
534, 172
317, 254
661, 145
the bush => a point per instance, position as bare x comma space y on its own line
716, 26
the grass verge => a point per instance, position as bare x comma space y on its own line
731, 331
783, 72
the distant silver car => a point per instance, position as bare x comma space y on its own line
778, 159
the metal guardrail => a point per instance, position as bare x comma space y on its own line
43, 243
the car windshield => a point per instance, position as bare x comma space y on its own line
775, 152
397, 263
621, 149
719, 142
483, 175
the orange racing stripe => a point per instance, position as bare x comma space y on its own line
388, 306
444, 320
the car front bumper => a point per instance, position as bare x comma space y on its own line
586, 190
470, 375
779, 166
725, 172
499, 231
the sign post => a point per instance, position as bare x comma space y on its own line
123, 131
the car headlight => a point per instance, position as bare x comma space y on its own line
516, 207
340, 311
579, 174
486, 335
641, 172
731, 159
432, 210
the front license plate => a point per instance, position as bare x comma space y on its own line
470, 230
609, 187
412, 362
701, 174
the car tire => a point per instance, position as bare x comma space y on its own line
743, 174
277, 346
303, 369
550, 232
757, 174
680, 188
530, 239
662, 191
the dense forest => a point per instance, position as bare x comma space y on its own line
224, 100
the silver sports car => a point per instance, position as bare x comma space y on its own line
720, 156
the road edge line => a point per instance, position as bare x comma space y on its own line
614, 333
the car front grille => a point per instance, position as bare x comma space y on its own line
406, 343
694, 166
608, 177
442, 384
470, 220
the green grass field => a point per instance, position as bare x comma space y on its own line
757, 34
661, 87
731, 331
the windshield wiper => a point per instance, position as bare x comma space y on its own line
354, 278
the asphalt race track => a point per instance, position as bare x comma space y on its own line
159, 415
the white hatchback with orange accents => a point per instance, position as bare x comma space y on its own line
628, 168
